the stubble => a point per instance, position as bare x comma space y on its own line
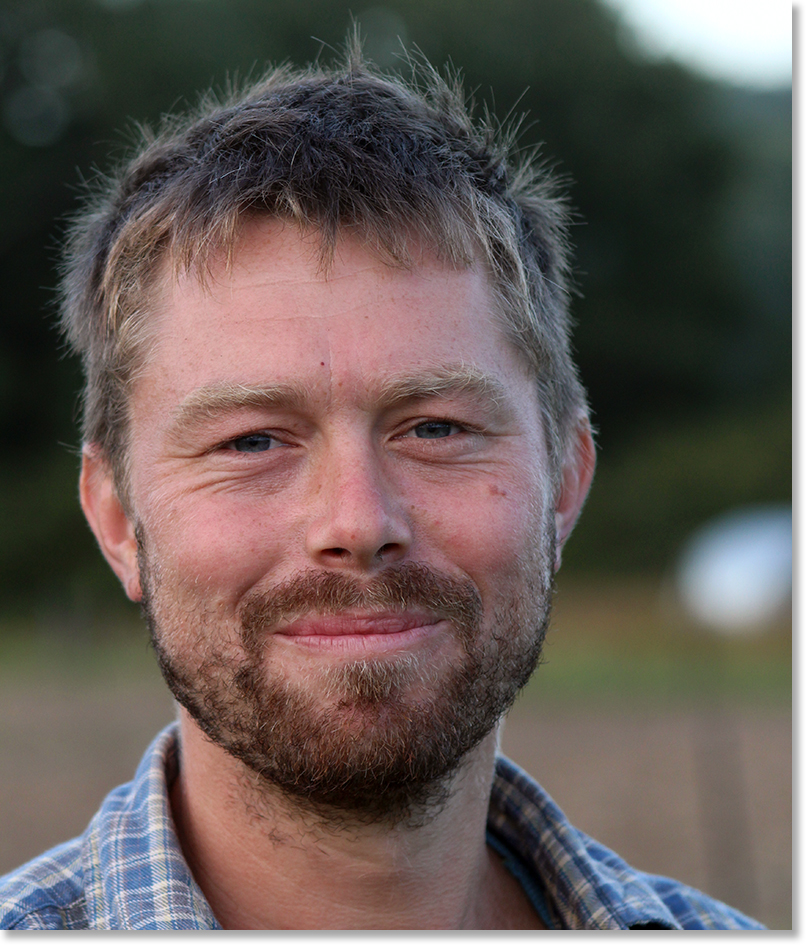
362, 741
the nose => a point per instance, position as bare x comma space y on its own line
357, 517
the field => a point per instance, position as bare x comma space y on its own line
668, 745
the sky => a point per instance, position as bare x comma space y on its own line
745, 41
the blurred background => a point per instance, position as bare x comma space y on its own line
661, 719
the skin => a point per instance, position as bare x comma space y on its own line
353, 368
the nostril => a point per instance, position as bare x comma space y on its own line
387, 549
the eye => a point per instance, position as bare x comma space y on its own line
255, 442
436, 428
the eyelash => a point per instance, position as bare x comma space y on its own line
231, 443
255, 436
450, 423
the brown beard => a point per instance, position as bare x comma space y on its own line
353, 746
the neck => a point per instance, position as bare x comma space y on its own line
264, 865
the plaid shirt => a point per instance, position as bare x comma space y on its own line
127, 870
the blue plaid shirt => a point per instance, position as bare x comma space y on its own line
127, 870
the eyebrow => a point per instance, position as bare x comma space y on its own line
446, 380
212, 401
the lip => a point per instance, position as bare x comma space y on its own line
366, 632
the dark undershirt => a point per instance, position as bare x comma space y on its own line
528, 881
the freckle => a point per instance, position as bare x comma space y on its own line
500, 492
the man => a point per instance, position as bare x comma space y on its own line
334, 443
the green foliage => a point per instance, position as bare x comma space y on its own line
669, 480
682, 192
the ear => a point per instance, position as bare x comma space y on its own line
109, 521
578, 470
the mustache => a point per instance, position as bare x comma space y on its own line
408, 586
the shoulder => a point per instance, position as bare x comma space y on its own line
688, 907
46, 893
695, 910
588, 886
125, 872
64, 888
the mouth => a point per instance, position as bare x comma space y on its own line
362, 633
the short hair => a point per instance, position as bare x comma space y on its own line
346, 149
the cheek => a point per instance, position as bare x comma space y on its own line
485, 531
214, 551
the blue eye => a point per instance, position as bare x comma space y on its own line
256, 442
436, 428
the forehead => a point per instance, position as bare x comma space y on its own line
272, 308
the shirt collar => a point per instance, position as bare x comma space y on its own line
137, 878
588, 886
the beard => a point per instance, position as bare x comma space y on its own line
358, 741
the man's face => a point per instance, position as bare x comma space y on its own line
339, 486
